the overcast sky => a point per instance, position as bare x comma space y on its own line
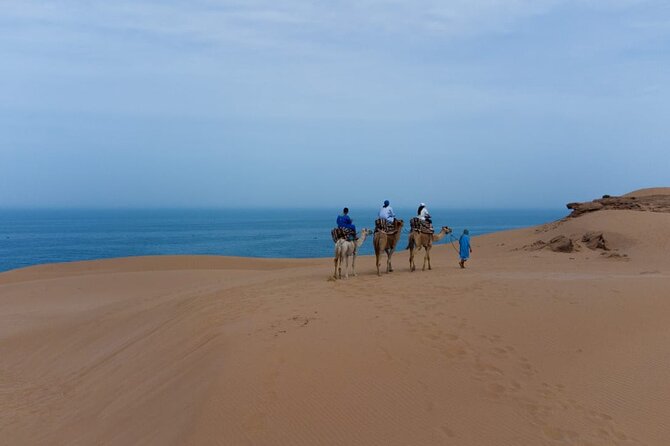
458, 103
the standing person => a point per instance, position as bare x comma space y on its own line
465, 248
344, 221
386, 212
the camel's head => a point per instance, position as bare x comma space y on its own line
366, 231
398, 223
447, 229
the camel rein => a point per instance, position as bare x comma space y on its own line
451, 239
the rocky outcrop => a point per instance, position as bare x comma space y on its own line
606, 237
650, 203
595, 240
561, 243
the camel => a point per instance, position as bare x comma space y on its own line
345, 249
418, 240
384, 242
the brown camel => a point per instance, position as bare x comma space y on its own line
385, 242
345, 249
418, 240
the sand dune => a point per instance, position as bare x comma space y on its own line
649, 191
524, 347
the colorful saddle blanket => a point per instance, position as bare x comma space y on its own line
384, 226
418, 225
345, 233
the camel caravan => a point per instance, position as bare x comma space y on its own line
388, 230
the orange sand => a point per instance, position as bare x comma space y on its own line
521, 348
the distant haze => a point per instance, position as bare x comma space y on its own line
464, 103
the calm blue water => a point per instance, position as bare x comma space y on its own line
30, 237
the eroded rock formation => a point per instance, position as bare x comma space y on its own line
593, 240
650, 203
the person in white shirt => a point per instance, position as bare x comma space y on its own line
423, 213
386, 212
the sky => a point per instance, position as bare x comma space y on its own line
254, 103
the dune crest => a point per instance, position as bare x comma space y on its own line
649, 191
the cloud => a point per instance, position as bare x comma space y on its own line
266, 23
300, 59
288, 27
233, 89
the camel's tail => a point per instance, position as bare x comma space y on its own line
410, 243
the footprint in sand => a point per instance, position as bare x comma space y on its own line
558, 434
456, 352
434, 336
547, 394
447, 432
496, 390
491, 338
488, 369
526, 368
500, 352
602, 433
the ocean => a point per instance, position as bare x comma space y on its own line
32, 237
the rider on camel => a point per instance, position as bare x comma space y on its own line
344, 221
386, 212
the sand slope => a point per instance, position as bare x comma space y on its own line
524, 347
649, 192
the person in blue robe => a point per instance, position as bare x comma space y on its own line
465, 248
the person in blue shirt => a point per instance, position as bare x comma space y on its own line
344, 221
465, 248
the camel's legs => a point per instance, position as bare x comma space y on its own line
335, 262
428, 255
389, 267
346, 266
379, 241
353, 264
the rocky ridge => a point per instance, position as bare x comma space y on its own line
645, 200
649, 203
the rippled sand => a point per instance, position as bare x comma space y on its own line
522, 347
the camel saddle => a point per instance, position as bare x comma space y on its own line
345, 233
384, 226
418, 225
